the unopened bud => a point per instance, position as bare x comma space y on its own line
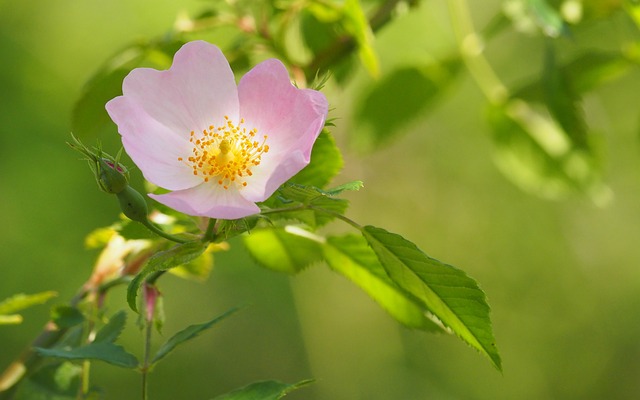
133, 204
111, 177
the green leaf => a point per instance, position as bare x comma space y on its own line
309, 205
286, 249
112, 330
356, 24
197, 269
390, 105
547, 18
351, 257
102, 351
162, 261
187, 334
21, 301
13, 319
447, 292
57, 381
264, 390
66, 317
326, 162
349, 186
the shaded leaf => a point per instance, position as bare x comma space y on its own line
538, 155
282, 249
58, 381
398, 99
112, 330
326, 162
264, 390
66, 317
447, 292
351, 257
162, 261
187, 334
102, 351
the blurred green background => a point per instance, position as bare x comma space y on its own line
563, 277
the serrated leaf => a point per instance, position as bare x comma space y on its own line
391, 104
187, 334
101, 351
349, 186
66, 317
21, 301
112, 330
264, 390
447, 292
282, 250
326, 162
351, 257
198, 269
296, 196
162, 261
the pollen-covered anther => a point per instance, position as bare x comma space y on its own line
225, 154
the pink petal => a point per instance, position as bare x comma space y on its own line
152, 146
209, 200
197, 91
291, 117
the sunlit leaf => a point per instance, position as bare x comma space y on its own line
326, 162
349, 186
264, 390
282, 249
102, 351
307, 204
351, 257
392, 104
187, 334
356, 23
162, 261
197, 269
547, 18
21, 301
447, 292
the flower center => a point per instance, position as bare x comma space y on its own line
226, 154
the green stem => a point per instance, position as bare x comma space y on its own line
311, 207
153, 228
209, 235
471, 46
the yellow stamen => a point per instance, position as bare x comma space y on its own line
225, 154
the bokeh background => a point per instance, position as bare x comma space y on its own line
562, 277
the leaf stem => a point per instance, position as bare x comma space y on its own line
209, 235
155, 229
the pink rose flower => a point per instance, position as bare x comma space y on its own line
219, 148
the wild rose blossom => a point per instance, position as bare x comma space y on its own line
217, 147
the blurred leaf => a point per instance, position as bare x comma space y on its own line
66, 317
12, 319
397, 100
282, 249
536, 154
112, 330
187, 334
356, 24
353, 258
633, 9
99, 238
326, 162
58, 381
89, 116
162, 261
264, 390
197, 269
547, 18
102, 351
563, 101
21, 301
447, 292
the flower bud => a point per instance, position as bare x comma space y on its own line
132, 204
111, 177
